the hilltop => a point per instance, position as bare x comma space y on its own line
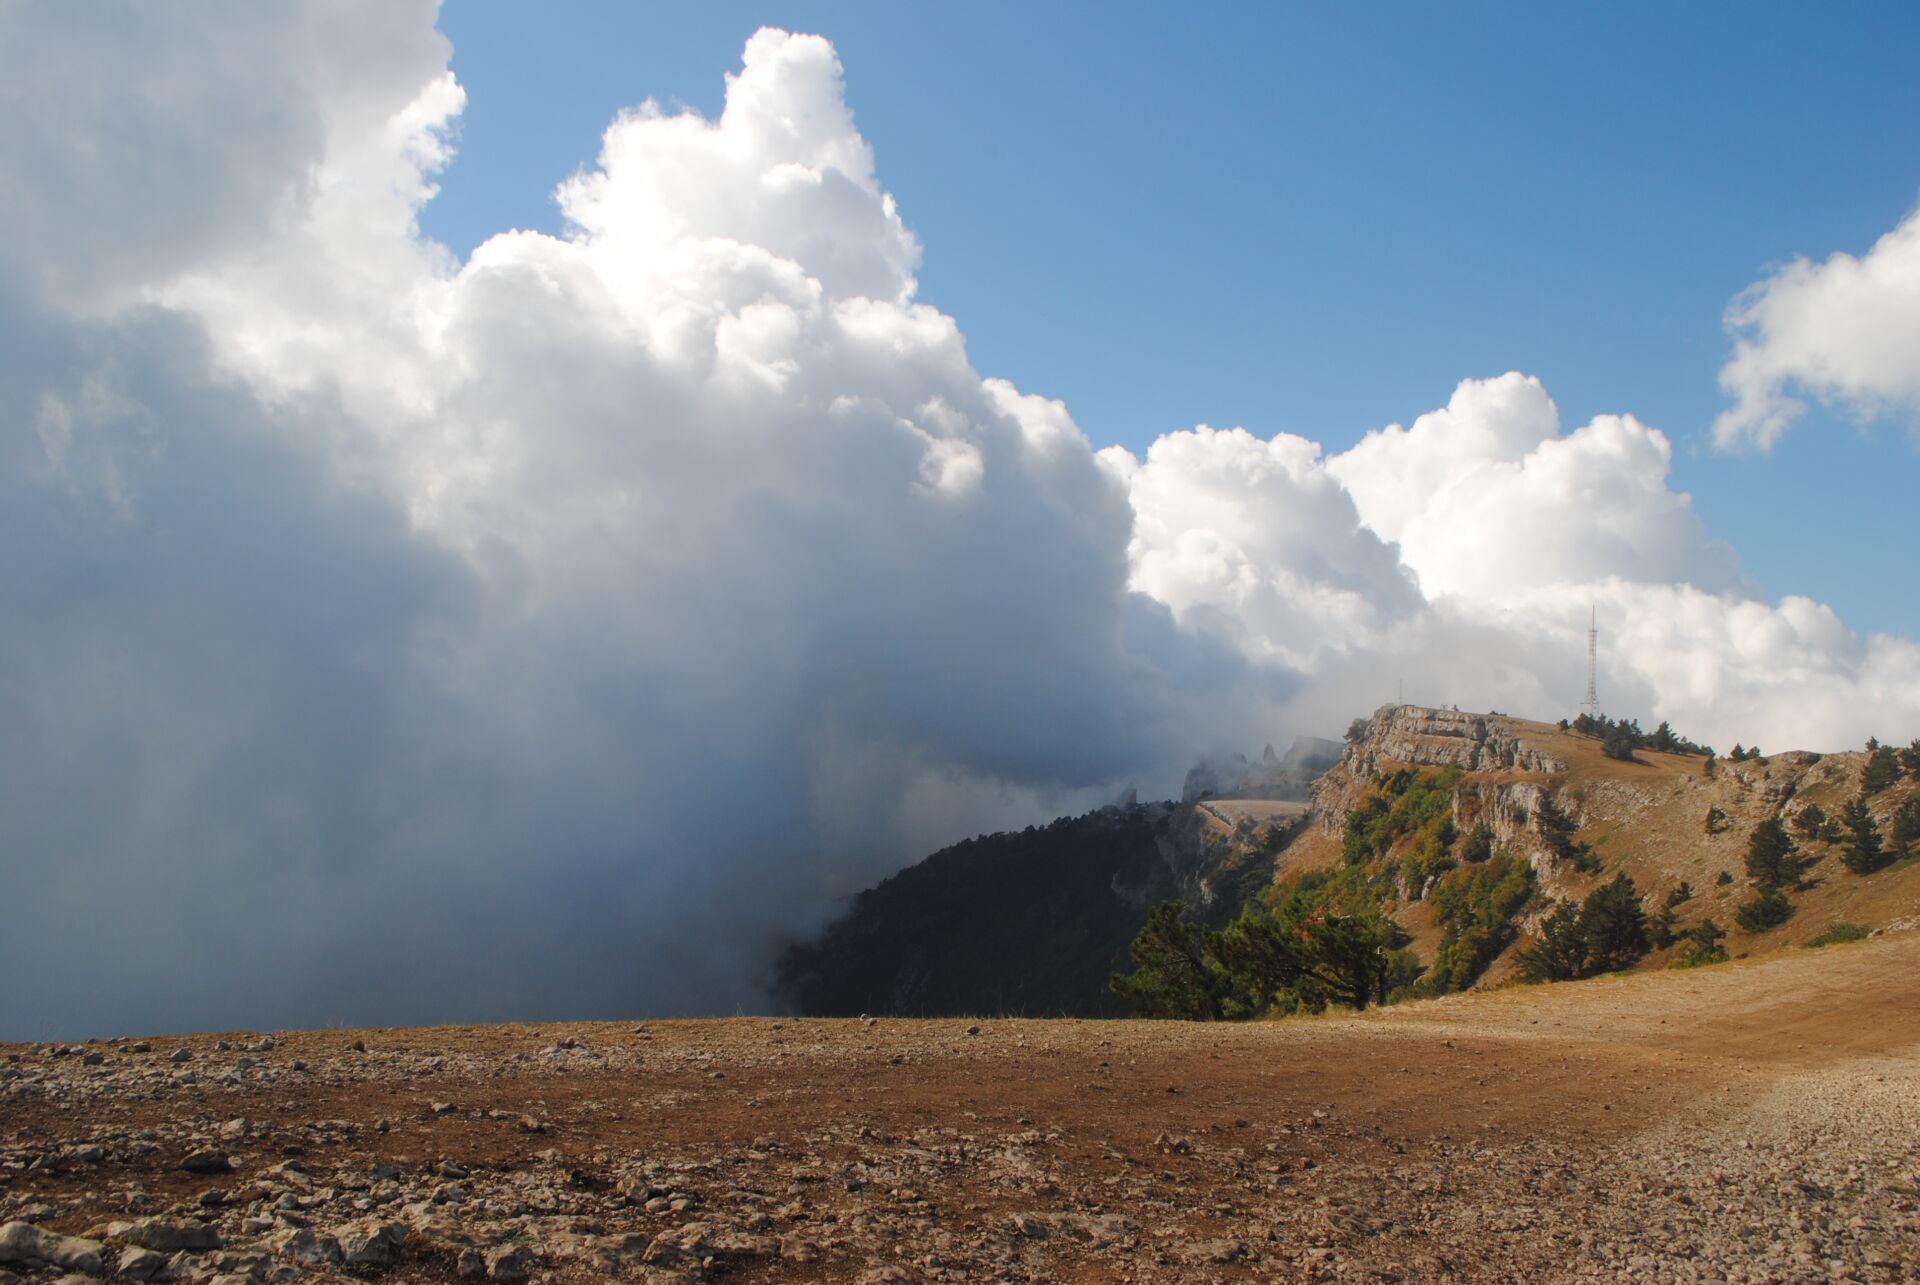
1662, 819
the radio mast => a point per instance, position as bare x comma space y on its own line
1592, 703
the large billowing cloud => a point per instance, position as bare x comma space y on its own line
385, 638
394, 639
1459, 561
1846, 331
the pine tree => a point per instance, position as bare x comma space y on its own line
1703, 944
1864, 853
1882, 770
1904, 833
1613, 926
1772, 861
1173, 976
1769, 909
1561, 952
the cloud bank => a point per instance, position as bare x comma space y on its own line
390, 639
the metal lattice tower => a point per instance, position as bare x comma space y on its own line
1592, 703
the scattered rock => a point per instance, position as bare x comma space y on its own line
165, 1235
511, 1265
21, 1242
141, 1264
207, 1161
305, 1247
372, 1243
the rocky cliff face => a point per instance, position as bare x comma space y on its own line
1412, 735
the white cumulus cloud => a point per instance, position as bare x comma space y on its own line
1846, 331
1461, 559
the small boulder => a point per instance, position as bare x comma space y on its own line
207, 1161
166, 1236
20, 1241
305, 1247
371, 1243
510, 1265
141, 1264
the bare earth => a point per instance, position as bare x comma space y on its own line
1753, 1121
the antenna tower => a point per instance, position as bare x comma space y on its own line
1592, 703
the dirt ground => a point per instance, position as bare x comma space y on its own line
1747, 1122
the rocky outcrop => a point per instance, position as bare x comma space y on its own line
1413, 735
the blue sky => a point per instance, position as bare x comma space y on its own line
1317, 219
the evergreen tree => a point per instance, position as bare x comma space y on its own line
1769, 909
1910, 759
1556, 832
1613, 926
1704, 944
1864, 853
1882, 770
1660, 928
1306, 952
1772, 861
1810, 820
1904, 833
1173, 975
1618, 743
1561, 952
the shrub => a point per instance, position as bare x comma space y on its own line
1838, 933
1723, 880
1703, 945
1768, 910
